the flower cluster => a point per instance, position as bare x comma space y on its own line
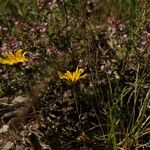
11, 59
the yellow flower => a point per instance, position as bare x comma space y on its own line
11, 59
72, 76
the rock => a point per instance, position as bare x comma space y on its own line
20, 99
9, 145
4, 100
4, 128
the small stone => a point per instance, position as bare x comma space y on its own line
4, 128
9, 145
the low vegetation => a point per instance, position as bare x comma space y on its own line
74, 74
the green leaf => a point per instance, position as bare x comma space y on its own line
3, 4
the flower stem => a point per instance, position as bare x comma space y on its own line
75, 99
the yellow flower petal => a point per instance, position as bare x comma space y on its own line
9, 55
61, 76
72, 76
10, 58
19, 53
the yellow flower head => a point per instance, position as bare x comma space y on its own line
11, 59
72, 76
